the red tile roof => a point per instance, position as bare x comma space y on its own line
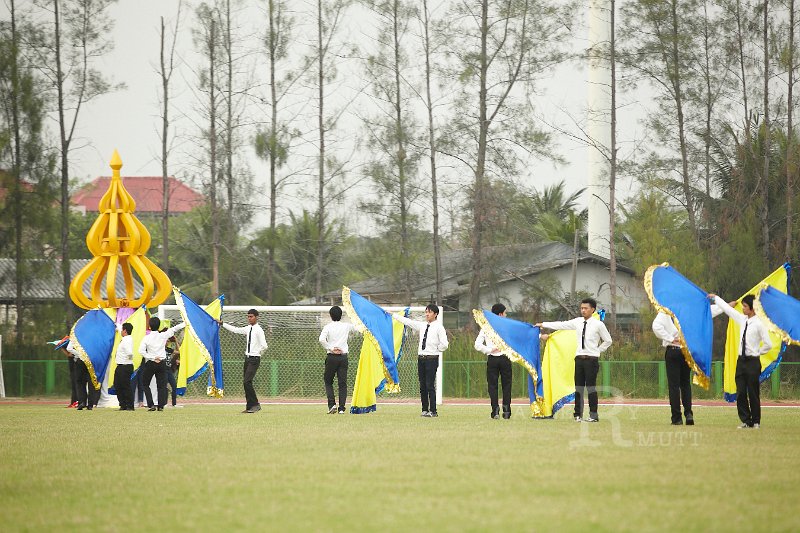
146, 191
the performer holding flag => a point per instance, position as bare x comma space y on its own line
754, 343
593, 339
498, 365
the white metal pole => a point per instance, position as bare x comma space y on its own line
439, 371
2, 382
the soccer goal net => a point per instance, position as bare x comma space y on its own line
292, 367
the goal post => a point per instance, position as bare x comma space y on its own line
293, 364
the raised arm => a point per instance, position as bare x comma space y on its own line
738, 317
415, 324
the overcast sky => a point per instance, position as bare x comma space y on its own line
128, 120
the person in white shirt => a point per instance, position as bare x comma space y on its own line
497, 365
124, 370
432, 342
593, 339
256, 344
334, 339
678, 371
755, 343
154, 355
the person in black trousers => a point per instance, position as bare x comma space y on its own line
153, 350
88, 396
334, 339
678, 371
432, 342
255, 346
497, 365
124, 370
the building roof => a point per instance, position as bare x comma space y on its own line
505, 263
47, 285
145, 190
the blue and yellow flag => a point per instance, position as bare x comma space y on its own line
520, 342
201, 348
377, 326
779, 280
138, 319
92, 337
370, 379
673, 294
780, 313
558, 371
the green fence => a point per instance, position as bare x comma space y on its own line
302, 378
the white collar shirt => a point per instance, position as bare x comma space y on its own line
435, 342
334, 335
593, 336
153, 343
256, 340
665, 330
755, 340
125, 351
485, 345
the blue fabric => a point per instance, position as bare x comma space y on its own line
206, 329
379, 323
94, 334
523, 338
692, 309
782, 310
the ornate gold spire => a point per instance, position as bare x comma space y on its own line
118, 238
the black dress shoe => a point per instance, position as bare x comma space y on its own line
151, 409
690, 421
495, 414
160, 408
506, 414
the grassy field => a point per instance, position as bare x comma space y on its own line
293, 467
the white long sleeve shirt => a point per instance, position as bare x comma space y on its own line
485, 345
125, 351
72, 351
755, 339
153, 344
256, 340
334, 335
435, 341
593, 336
665, 330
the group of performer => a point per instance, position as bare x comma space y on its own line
592, 339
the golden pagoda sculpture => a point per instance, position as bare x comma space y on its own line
118, 238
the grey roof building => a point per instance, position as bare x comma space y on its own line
510, 274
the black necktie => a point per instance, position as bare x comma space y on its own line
583, 335
744, 340
425, 336
249, 335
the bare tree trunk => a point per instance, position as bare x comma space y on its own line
480, 167
401, 156
16, 193
676, 84
764, 212
212, 140
229, 113
709, 103
612, 207
790, 164
742, 66
66, 276
437, 253
574, 276
321, 183
164, 154
273, 139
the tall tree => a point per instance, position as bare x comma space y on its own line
166, 69
393, 164
76, 40
328, 18
207, 40
500, 49
428, 50
659, 47
763, 212
791, 166
273, 143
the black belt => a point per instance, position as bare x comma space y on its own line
584, 357
428, 356
337, 354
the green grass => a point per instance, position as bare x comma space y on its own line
296, 468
